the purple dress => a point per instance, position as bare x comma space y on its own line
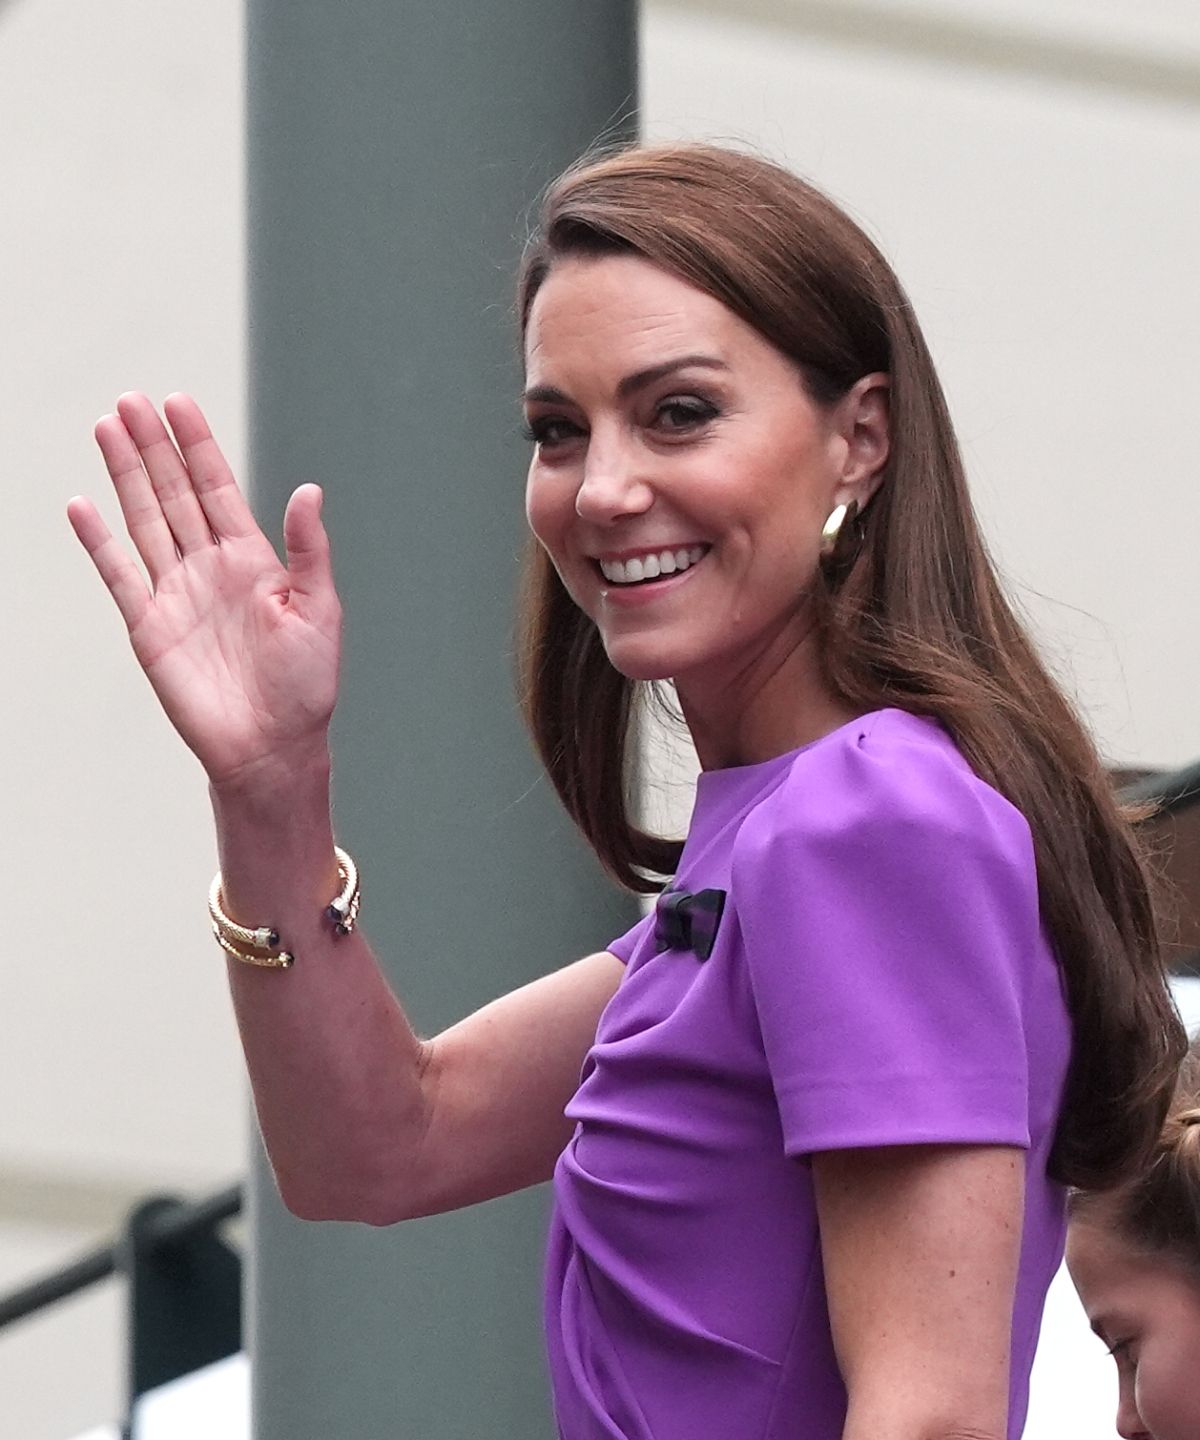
879, 976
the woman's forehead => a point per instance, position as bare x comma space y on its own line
621, 313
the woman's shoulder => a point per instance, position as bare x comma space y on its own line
889, 781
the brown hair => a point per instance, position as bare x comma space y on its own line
917, 619
1158, 1210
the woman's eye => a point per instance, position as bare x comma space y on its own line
549, 430
684, 413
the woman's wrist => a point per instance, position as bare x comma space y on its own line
275, 832
275, 848
276, 790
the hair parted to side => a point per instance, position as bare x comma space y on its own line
917, 620
1158, 1209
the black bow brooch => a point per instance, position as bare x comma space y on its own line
688, 922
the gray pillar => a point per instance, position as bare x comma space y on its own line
395, 151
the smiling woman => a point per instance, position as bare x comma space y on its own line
936, 932
716, 452
810, 1123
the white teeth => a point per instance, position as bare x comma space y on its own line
650, 567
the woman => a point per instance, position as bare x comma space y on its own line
1134, 1255
810, 1181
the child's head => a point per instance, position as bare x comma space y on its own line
1134, 1255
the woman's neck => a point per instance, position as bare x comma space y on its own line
756, 710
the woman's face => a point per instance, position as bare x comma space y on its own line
1146, 1309
681, 475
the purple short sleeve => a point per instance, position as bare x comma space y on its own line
624, 945
887, 901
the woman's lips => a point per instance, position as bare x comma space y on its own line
643, 591
633, 567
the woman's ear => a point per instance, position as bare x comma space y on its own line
865, 427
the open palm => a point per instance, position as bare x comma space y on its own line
241, 651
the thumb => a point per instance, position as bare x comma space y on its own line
307, 544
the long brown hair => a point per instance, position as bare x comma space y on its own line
1158, 1209
917, 620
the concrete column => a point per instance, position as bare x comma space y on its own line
395, 154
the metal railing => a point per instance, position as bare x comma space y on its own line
183, 1288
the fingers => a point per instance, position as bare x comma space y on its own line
117, 570
169, 478
144, 518
309, 566
228, 515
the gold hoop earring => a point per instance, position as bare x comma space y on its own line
842, 517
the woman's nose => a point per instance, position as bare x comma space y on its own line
611, 489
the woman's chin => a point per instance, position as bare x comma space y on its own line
640, 669
645, 662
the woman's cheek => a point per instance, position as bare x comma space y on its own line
536, 511
575, 572
550, 511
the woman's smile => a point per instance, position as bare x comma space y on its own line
640, 576
637, 567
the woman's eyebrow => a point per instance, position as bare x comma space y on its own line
636, 381
549, 394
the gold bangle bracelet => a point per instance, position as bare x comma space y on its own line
265, 937
233, 938
281, 960
343, 908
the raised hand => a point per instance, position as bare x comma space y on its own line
242, 651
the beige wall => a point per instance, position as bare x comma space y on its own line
121, 237
1030, 169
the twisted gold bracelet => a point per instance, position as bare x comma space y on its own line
281, 960
342, 910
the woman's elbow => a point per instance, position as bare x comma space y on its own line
356, 1204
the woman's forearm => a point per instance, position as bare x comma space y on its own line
335, 1067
